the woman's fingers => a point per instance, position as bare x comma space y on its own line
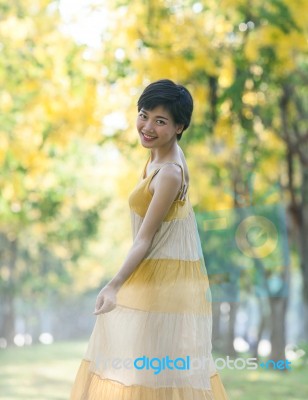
104, 309
104, 306
105, 301
99, 302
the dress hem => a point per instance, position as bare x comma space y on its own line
89, 385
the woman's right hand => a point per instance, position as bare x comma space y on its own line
106, 300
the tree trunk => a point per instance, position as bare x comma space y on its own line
216, 326
9, 318
295, 134
303, 238
278, 332
9, 293
230, 351
261, 328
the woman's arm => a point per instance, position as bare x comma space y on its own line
166, 188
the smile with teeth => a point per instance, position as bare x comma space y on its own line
149, 137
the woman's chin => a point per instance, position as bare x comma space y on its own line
146, 143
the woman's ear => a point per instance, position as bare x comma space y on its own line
179, 128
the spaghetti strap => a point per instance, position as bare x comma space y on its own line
183, 180
145, 167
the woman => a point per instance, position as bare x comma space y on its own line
152, 336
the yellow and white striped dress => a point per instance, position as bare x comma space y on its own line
163, 313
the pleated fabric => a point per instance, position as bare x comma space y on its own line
156, 343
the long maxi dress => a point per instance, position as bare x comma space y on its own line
156, 343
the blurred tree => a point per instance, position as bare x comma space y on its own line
48, 127
279, 49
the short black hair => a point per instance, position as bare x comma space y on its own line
174, 98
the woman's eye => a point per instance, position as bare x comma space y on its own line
142, 116
160, 122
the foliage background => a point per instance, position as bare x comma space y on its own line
70, 155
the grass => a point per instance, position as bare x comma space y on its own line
262, 384
42, 372
47, 372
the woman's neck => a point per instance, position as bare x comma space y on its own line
159, 156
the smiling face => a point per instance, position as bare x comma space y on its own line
156, 127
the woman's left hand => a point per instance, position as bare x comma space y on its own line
106, 300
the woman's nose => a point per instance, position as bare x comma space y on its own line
149, 126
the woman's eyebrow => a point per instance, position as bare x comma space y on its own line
156, 116
160, 116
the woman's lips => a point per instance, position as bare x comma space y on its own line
148, 138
